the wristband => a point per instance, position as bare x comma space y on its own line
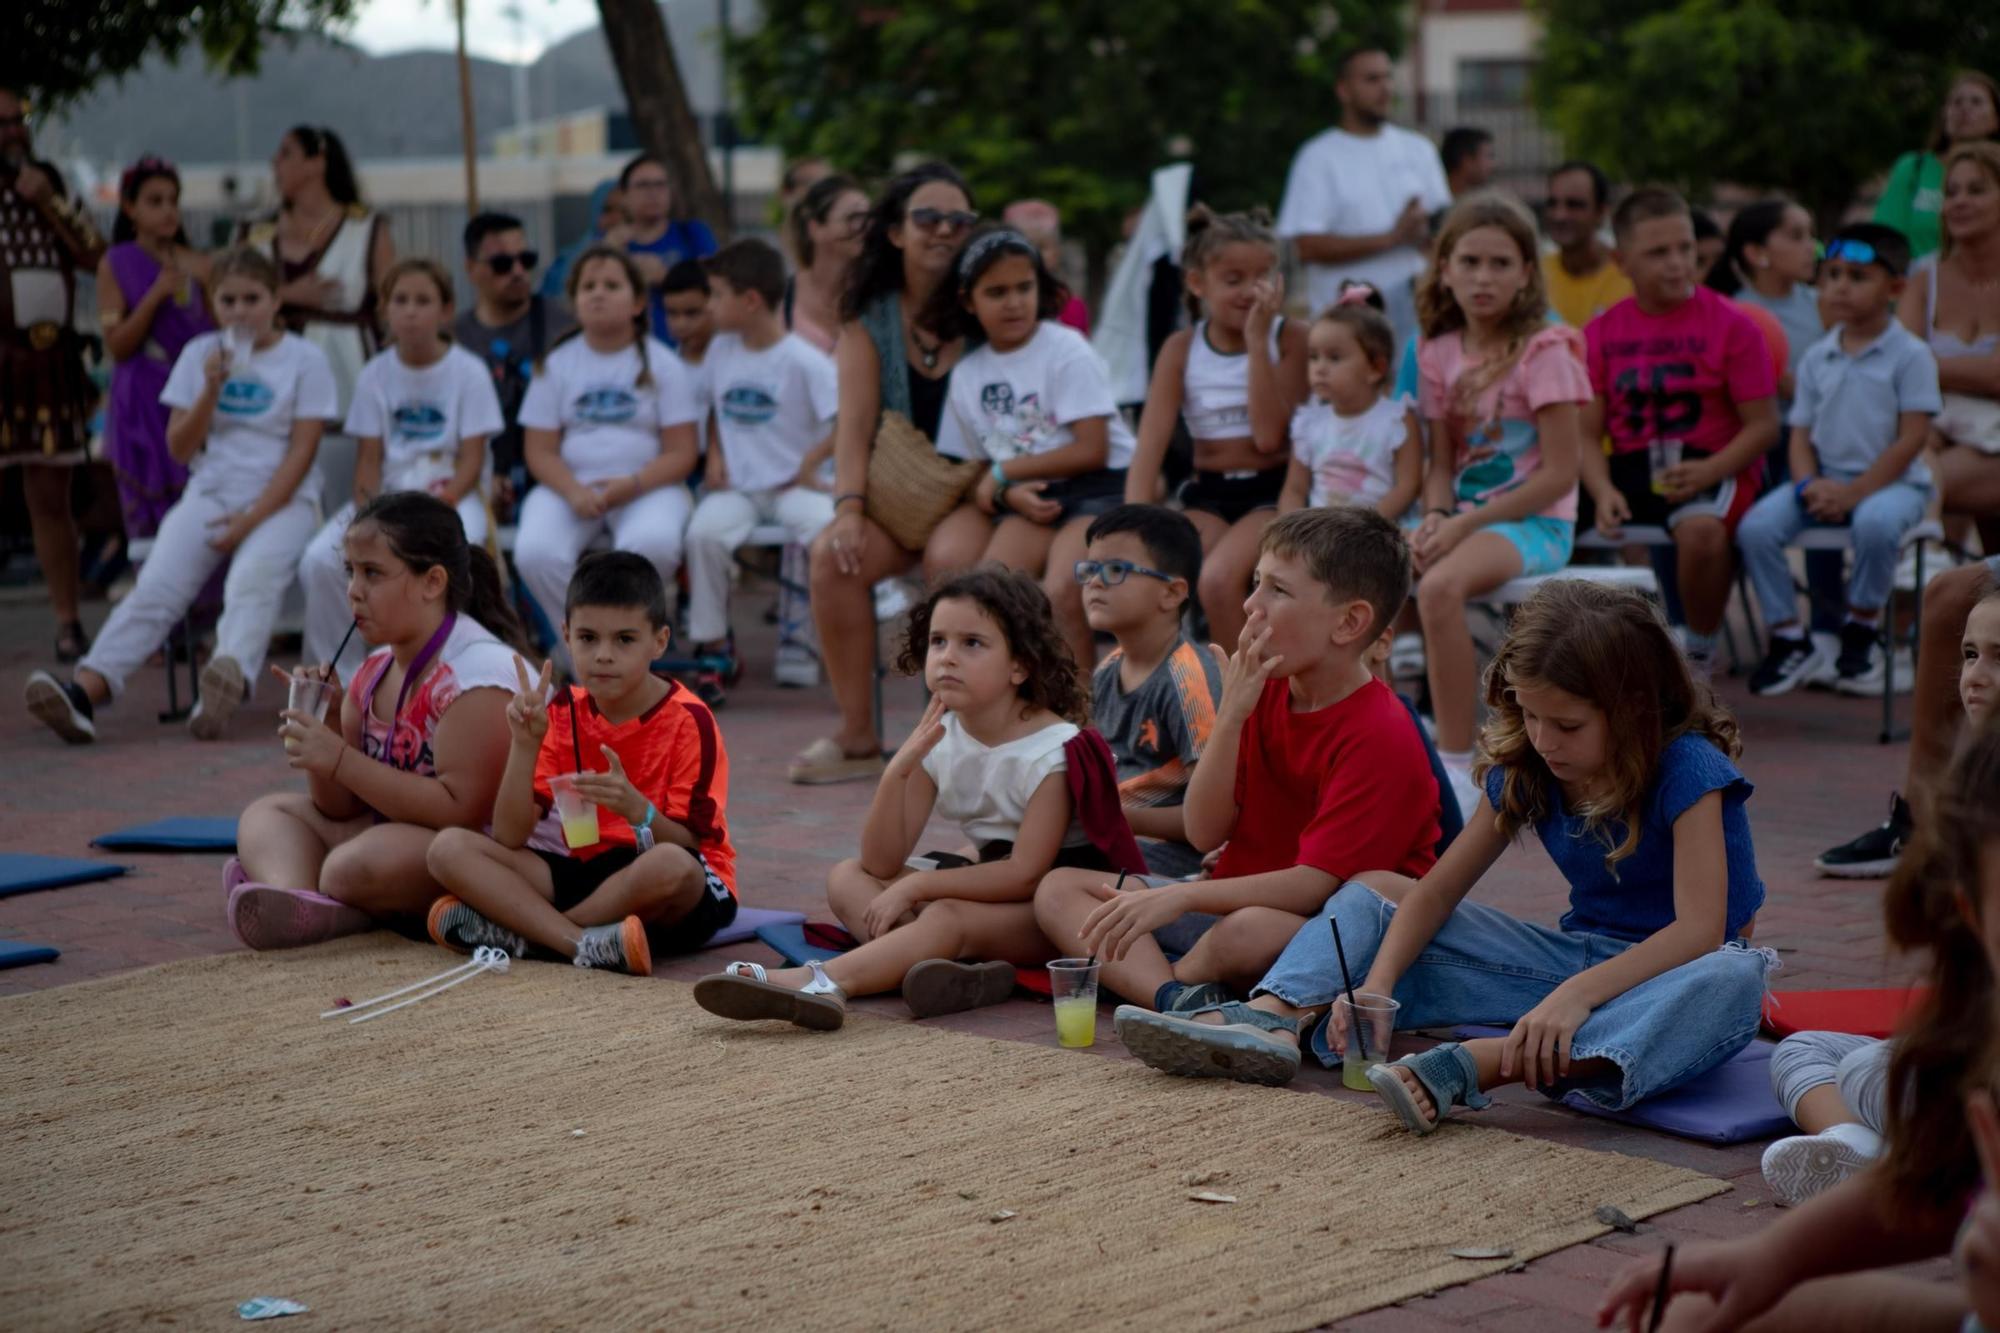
845, 496
1799, 488
1437, 509
1000, 476
642, 832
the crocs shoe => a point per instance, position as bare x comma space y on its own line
232, 875
264, 917
939, 986
620, 947
222, 689
1245, 1046
455, 926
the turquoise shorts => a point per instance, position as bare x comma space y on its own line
1544, 543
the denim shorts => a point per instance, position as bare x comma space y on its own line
1544, 543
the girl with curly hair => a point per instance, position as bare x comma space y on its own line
987, 755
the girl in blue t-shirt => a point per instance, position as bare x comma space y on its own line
1602, 743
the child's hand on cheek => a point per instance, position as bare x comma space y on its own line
924, 738
1248, 669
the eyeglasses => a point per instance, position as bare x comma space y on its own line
502, 265
936, 219
1114, 572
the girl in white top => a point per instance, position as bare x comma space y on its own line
249, 404
988, 755
1352, 443
608, 433
422, 413
1034, 403
1234, 380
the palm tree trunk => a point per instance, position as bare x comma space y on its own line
643, 53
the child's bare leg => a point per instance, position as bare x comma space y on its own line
1481, 563
1240, 948
1225, 575
383, 871
508, 886
1822, 1108
1066, 595
948, 928
849, 890
1019, 543
1064, 901
660, 887
283, 840
1705, 561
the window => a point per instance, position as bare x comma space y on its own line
1496, 83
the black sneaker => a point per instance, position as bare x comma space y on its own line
1875, 853
62, 706
1788, 665
1858, 669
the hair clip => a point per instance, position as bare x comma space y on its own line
1355, 293
1000, 238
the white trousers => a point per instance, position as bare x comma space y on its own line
552, 539
323, 576
181, 561
722, 522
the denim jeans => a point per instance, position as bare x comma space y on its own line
1484, 966
1878, 524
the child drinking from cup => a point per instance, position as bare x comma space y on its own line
989, 755
642, 863
416, 746
249, 406
1353, 443
421, 415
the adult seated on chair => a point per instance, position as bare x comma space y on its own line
886, 363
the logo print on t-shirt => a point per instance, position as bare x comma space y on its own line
748, 404
997, 400
606, 407
245, 398
419, 421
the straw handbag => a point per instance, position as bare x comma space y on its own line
911, 487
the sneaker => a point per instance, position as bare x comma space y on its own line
1804, 1165
1875, 853
222, 689
1858, 669
62, 706
1248, 1050
1826, 648
456, 926
1406, 657
620, 947
1789, 664
796, 667
1465, 791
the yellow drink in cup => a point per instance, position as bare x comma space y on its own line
1374, 1018
1661, 457
578, 816
1073, 987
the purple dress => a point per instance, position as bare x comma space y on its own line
149, 480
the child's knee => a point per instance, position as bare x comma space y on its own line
847, 882
671, 875
1702, 537
1439, 595
348, 874
453, 850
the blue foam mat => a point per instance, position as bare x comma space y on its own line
789, 939
749, 920
16, 953
180, 833
24, 872
1732, 1103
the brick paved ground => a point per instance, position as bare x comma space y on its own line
1821, 778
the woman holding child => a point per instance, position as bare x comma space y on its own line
888, 362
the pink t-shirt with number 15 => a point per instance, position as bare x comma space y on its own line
1677, 376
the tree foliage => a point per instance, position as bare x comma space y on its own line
54, 51
1811, 97
1074, 101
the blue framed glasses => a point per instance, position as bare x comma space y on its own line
1114, 572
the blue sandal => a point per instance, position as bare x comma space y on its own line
1448, 1075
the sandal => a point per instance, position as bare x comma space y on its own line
1448, 1075
940, 986
824, 762
742, 991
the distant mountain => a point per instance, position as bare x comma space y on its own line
400, 105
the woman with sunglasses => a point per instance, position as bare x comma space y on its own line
887, 362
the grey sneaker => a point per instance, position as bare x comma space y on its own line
621, 947
1245, 1046
456, 926
222, 689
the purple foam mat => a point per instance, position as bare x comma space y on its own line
747, 922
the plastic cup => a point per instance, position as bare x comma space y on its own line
1662, 455
240, 343
578, 816
1073, 987
1374, 1018
308, 694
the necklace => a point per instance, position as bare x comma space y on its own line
926, 352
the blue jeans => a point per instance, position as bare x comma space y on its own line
1483, 966
1878, 524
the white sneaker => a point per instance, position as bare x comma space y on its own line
1806, 1165
795, 667
892, 598
1465, 791
1826, 646
1406, 657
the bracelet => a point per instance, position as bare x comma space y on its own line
1799, 488
1437, 509
845, 496
1000, 477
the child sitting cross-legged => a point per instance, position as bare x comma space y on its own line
1601, 741
1313, 773
990, 754
1865, 396
660, 873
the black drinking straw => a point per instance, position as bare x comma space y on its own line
352, 625
1348, 982
575, 741
1660, 1291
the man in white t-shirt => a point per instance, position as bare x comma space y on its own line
773, 396
1359, 196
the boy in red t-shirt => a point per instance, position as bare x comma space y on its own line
1313, 773
1677, 370
658, 872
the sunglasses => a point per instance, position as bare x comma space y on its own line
936, 219
1114, 572
502, 265
1855, 252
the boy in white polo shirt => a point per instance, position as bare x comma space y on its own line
773, 395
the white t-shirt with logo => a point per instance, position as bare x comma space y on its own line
251, 428
421, 414
1356, 185
1006, 405
771, 406
1352, 459
610, 423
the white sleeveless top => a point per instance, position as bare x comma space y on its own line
345, 260
1215, 389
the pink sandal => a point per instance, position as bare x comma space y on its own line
264, 917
